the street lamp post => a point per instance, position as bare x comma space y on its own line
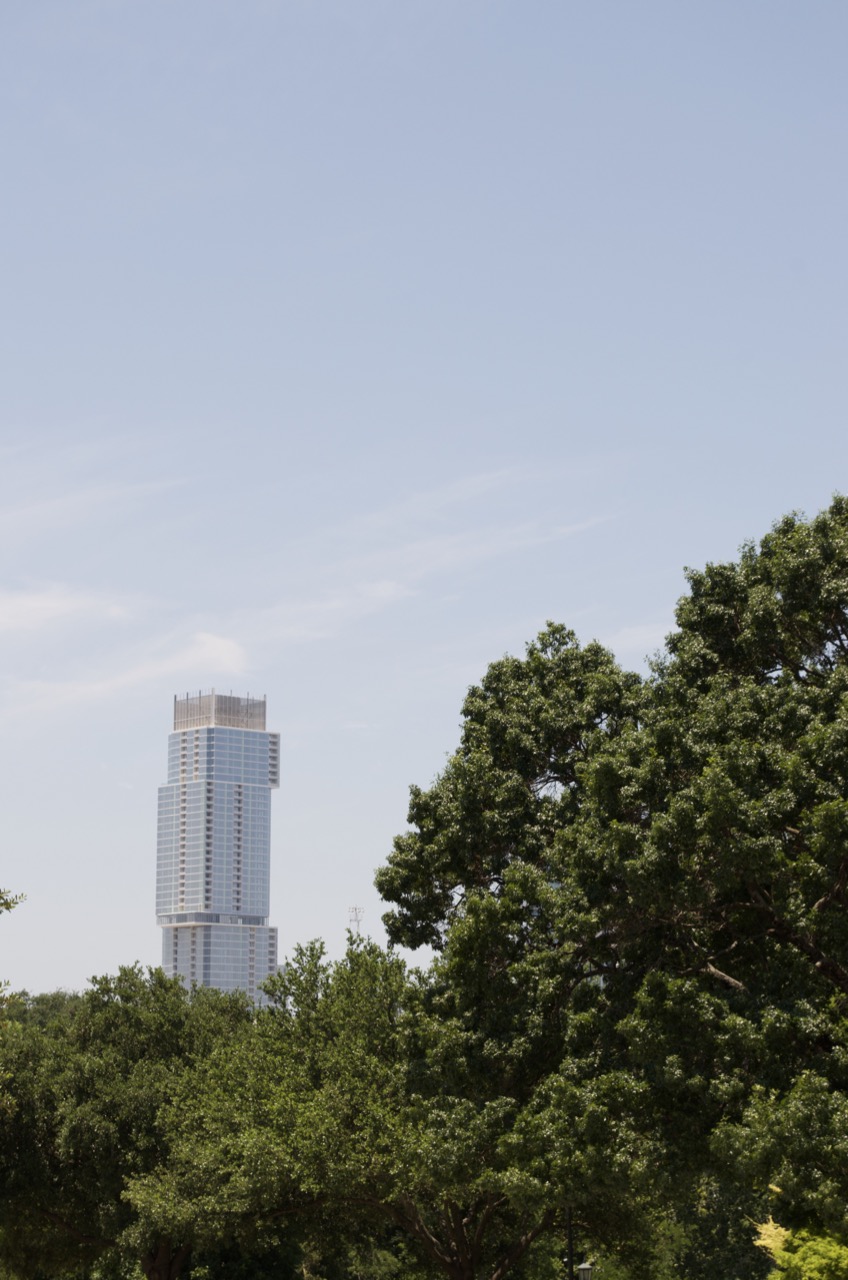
584, 1271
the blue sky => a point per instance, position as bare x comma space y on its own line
342, 345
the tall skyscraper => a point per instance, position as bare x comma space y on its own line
214, 843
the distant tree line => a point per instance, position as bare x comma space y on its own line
632, 1035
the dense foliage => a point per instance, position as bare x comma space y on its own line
83, 1082
632, 1034
678, 845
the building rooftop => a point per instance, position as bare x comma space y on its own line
202, 710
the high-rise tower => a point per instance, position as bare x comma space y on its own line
214, 843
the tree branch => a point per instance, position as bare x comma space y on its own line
724, 977
522, 1245
826, 965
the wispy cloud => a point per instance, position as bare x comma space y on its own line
428, 504
316, 616
377, 579
40, 515
419, 558
423, 544
203, 658
44, 607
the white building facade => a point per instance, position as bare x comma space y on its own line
214, 843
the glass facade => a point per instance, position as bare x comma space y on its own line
214, 843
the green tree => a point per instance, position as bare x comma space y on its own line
699, 817
793, 1143
802, 1256
80, 1109
679, 841
8, 900
44, 1010
367, 1116
283, 1134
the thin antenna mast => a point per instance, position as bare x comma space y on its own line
355, 914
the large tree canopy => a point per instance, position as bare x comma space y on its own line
699, 816
681, 840
363, 1107
529, 732
83, 1081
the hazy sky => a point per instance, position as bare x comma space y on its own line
343, 343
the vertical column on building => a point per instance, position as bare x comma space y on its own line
182, 824
238, 844
208, 843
